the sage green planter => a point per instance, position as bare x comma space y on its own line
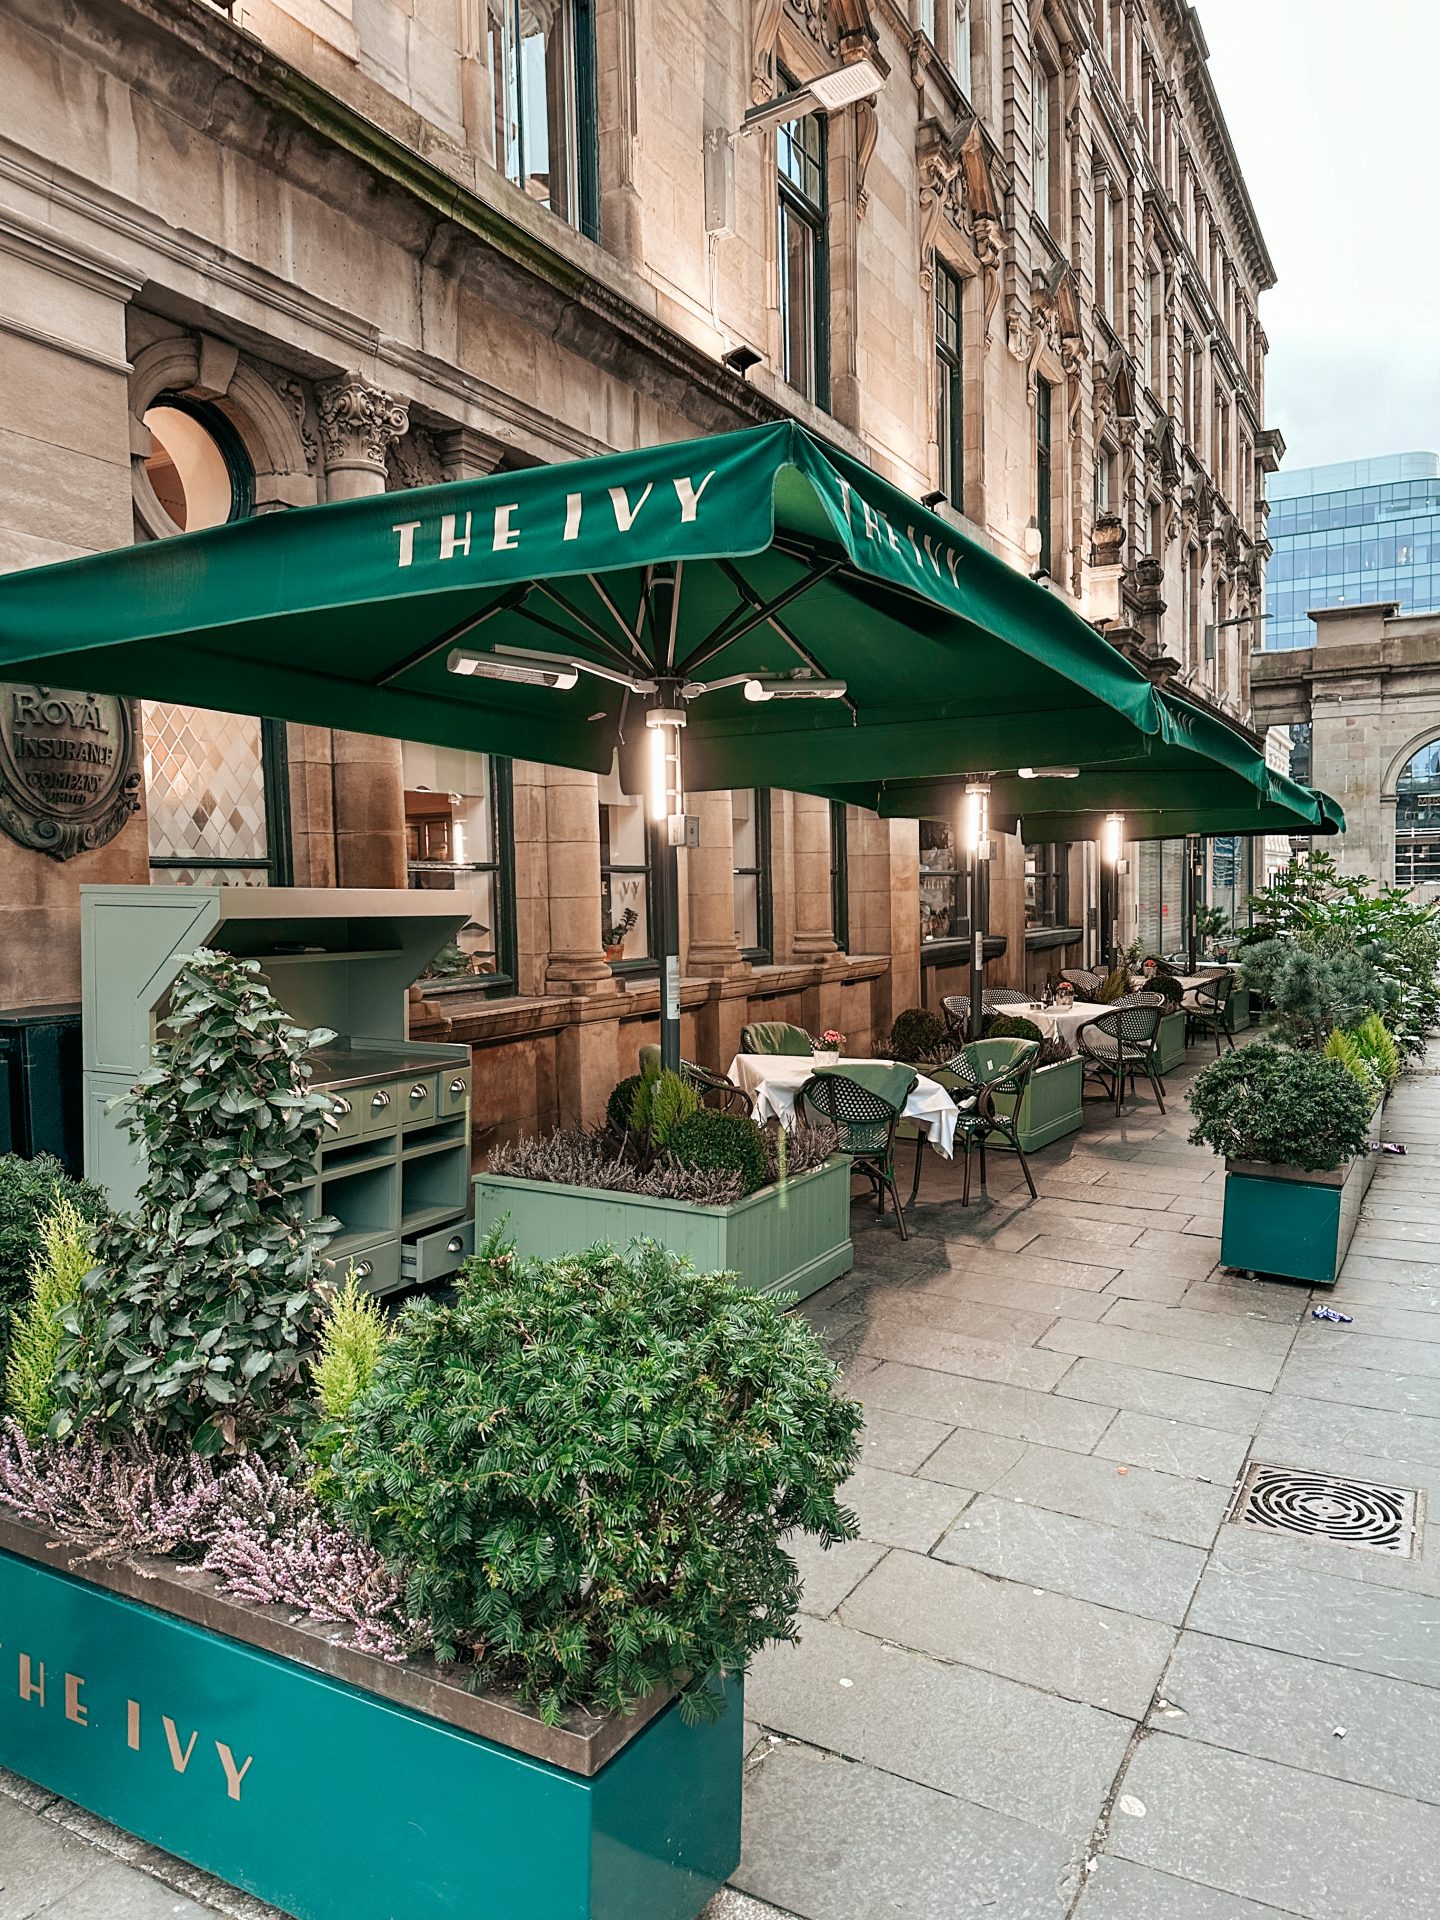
1171, 1042
1052, 1106
1238, 1013
1291, 1222
335, 1785
793, 1238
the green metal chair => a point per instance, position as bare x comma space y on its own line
1118, 1045
775, 1036
1207, 1010
981, 1070
716, 1090
865, 1123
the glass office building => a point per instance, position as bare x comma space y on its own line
1351, 534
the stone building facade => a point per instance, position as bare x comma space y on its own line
1368, 691
309, 249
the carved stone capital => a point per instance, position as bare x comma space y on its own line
359, 422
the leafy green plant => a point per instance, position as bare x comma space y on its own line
1379, 1048
621, 1102
918, 1038
661, 1101
202, 1299
1293, 1109
1170, 989
721, 1143
584, 1470
56, 1273
29, 1193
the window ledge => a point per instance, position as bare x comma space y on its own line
1041, 939
955, 953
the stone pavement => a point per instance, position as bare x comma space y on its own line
1049, 1679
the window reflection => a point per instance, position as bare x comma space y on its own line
1417, 819
541, 61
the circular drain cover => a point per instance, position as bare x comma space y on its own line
1357, 1513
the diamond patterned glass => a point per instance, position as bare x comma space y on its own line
205, 791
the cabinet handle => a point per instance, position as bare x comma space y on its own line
363, 1269
458, 1088
418, 1091
455, 1244
379, 1100
342, 1105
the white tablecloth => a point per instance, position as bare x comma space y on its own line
1189, 981
773, 1079
1065, 1022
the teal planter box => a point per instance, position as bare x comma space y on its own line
1171, 1042
329, 1799
1238, 1015
1279, 1220
1052, 1106
793, 1238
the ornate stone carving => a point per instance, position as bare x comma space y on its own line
358, 423
1019, 333
867, 132
940, 198
412, 461
293, 394
69, 771
990, 250
836, 28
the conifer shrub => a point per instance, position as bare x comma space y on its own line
29, 1192
56, 1273
350, 1338
198, 1315
660, 1103
583, 1471
721, 1143
1379, 1049
621, 1102
1293, 1109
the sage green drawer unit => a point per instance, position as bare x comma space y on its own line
433, 1255
454, 1091
380, 1106
377, 1266
349, 1118
417, 1099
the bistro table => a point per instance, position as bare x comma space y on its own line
1189, 981
774, 1079
1059, 1022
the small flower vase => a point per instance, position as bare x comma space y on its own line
827, 1057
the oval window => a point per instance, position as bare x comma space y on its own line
197, 465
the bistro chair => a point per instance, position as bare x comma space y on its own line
982, 1070
996, 997
1207, 1010
1117, 1045
1085, 981
865, 1124
956, 1009
716, 1090
775, 1036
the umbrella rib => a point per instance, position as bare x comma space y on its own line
510, 602
765, 615
602, 593
726, 634
587, 626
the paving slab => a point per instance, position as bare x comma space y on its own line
1319, 1376
1166, 1504
1113, 1566
1172, 1396
916, 1343
896, 1510
1120, 1890
1161, 1285
992, 1407
1070, 1647
1163, 1353
975, 1735
1363, 1350
1308, 1845
970, 1458
39, 1861
899, 1441
1259, 1298
827, 1574
1174, 1446
936, 1303
1299, 1609
829, 1839
1000, 1287
1338, 1429
1255, 1335
1304, 1712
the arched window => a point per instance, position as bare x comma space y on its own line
197, 464
1417, 819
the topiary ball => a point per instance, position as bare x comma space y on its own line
711, 1142
1009, 1026
617, 1107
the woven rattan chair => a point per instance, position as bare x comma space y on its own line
1118, 1045
775, 1037
982, 1070
716, 1090
866, 1126
956, 1009
1207, 1010
1086, 982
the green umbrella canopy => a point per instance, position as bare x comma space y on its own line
757, 553
1197, 774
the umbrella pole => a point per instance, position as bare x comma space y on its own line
665, 865
974, 829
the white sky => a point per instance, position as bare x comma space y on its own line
1335, 114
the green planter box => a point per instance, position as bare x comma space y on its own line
1238, 1014
1053, 1105
786, 1239
1299, 1225
286, 1774
1171, 1042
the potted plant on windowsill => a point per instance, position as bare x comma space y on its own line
770, 1206
614, 936
256, 1607
1293, 1129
